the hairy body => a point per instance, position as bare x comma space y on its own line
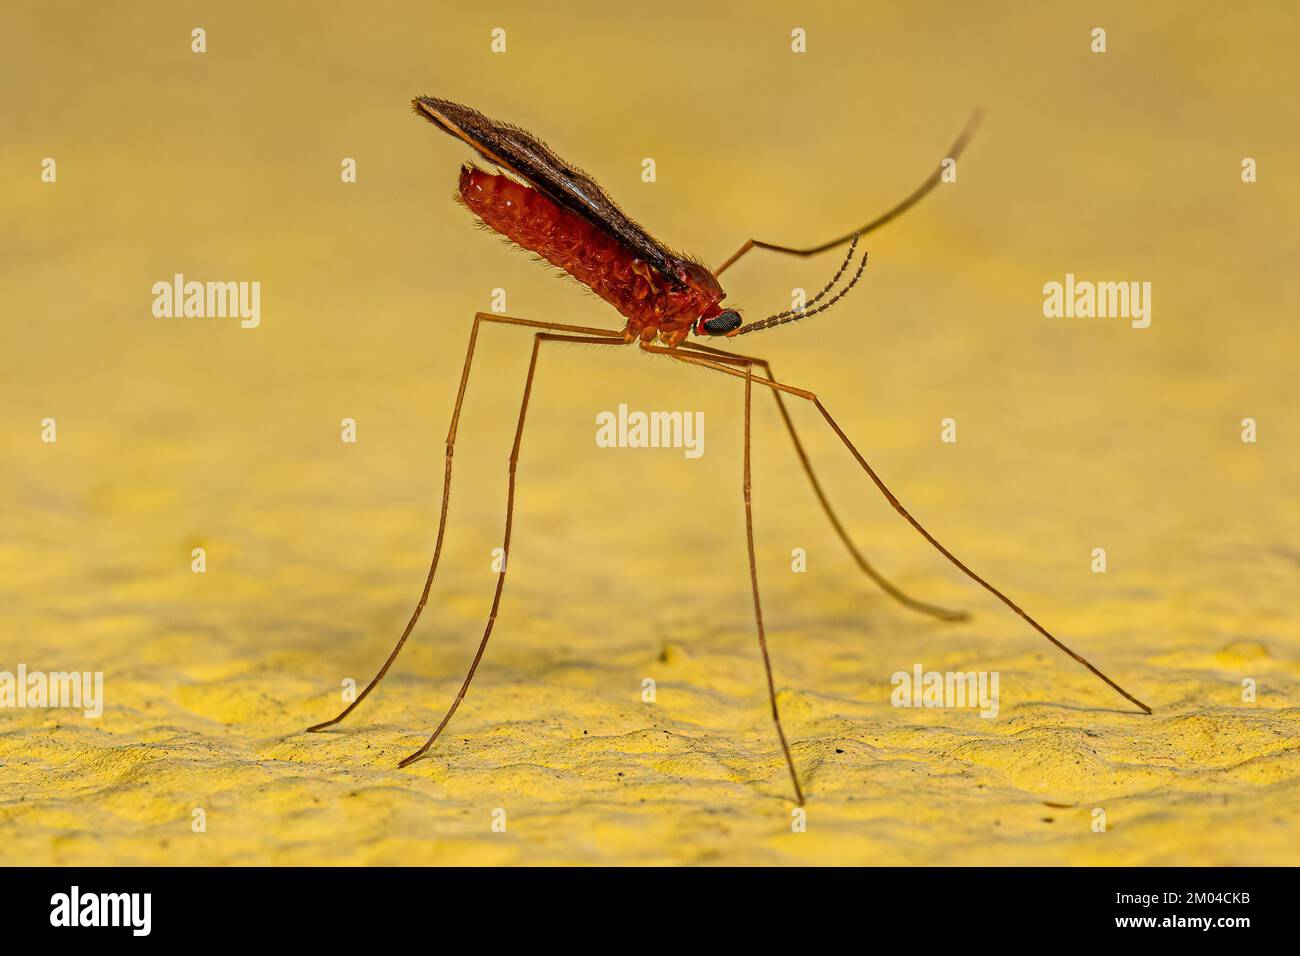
554, 209
652, 304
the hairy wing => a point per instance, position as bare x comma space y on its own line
533, 161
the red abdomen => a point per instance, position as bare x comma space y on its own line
570, 242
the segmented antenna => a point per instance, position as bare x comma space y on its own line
830, 285
793, 315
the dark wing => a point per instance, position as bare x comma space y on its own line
521, 153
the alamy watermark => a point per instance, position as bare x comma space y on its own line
949, 689
78, 690
130, 910
208, 300
1083, 299
630, 429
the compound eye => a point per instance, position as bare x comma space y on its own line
723, 322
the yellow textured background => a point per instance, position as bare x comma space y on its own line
1073, 434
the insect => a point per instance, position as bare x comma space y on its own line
550, 208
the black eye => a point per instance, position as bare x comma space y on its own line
722, 323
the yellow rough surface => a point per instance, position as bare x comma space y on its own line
1073, 434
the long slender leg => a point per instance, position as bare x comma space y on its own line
912, 199
538, 339
758, 604
720, 366
881, 581
479, 317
